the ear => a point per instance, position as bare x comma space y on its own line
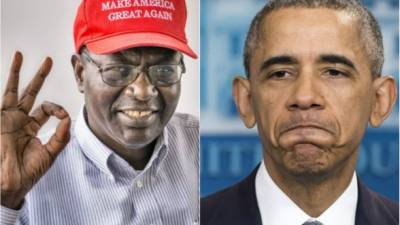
242, 97
77, 65
385, 95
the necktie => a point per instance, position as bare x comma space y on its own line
312, 222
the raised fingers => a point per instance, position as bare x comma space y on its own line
29, 95
10, 97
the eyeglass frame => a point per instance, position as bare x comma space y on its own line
145, 69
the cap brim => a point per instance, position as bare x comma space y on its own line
120, 42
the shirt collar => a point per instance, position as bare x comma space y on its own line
277, 208
102, 156
91, 146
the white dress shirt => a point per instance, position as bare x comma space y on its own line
90, 184
276, 208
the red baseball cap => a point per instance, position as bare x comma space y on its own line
107, 26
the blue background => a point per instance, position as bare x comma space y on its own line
229, 151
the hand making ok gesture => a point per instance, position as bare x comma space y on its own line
24, 159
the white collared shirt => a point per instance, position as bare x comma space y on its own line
276, 208
90, 184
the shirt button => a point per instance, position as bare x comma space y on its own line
139, 184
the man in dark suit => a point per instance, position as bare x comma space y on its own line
313, 84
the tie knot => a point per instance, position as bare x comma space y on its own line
312, 222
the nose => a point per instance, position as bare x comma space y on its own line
142, 89
306, 93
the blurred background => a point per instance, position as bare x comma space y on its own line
43, 28
229, 151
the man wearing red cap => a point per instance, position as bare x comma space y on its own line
127, 159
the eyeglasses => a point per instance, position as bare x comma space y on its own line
119, 75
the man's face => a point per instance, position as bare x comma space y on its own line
311, 89
132, 116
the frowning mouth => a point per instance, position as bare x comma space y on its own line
304, 127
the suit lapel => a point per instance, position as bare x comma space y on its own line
363, 203
247, 189
373, 209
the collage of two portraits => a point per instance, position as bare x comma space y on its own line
199, 112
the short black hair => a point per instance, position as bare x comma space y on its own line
371, 32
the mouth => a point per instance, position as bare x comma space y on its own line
305, 135
304, 128
138, 118
138, 114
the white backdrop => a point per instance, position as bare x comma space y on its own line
43, 28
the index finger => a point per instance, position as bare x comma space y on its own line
10, 97
29, 95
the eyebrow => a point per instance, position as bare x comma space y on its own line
339, 59
282, 59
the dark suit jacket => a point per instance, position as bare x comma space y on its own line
237, 205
